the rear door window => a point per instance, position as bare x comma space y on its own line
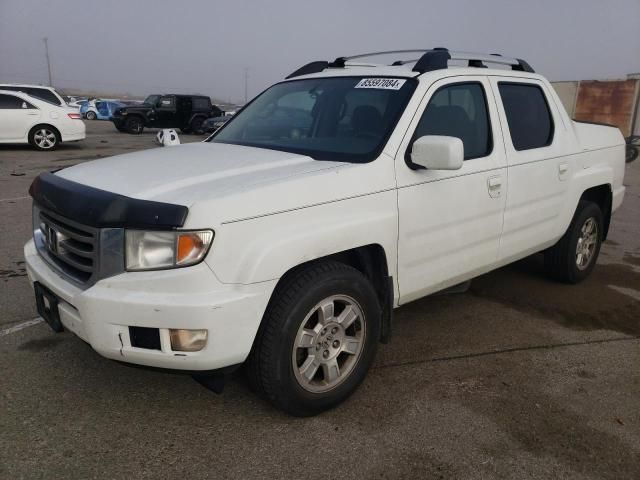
43, 94
528, 115
201, 103
9, 102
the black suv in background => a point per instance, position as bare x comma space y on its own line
186, 112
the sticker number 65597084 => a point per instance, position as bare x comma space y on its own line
381, 83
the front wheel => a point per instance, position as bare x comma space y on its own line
134, 125
572, 259
317, 340
91, 115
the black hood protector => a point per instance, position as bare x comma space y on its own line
101, 209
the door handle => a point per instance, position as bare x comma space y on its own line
563, 170
495, 182
495, 186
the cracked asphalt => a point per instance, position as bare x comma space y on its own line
520, 377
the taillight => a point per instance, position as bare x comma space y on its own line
75, 116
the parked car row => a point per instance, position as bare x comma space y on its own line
40, 116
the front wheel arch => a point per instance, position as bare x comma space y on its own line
371, 261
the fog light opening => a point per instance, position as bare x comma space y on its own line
188, 340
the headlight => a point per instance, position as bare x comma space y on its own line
152, 250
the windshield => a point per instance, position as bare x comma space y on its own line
340, 118
152, 99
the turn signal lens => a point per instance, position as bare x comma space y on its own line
192, 246
188, 340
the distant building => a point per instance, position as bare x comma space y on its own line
615, 102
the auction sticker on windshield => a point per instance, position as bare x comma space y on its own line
381, 83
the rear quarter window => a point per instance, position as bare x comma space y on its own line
201, 103
528, 115
43, 94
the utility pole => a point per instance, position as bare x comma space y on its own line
246, 84
46, 52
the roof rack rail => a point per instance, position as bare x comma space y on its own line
431, 59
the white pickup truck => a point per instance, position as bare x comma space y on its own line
285, 240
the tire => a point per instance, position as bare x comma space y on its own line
572, 259
134, 125
299, 314
90, 115
44, 137
197, 126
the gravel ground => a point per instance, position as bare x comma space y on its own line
519, 377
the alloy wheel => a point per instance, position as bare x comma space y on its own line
328, 344
45, 138
587, 243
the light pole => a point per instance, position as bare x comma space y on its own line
46, 52
246, 84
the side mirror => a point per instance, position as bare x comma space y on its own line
437, 152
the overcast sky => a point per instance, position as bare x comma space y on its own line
204, 46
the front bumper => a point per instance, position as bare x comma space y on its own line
186, 298
118, 121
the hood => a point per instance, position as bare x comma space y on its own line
139, 107
220, 182
187, 173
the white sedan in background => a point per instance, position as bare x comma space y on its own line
26, 119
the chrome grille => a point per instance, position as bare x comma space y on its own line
68, 246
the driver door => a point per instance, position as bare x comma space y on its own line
165, 112
450, 222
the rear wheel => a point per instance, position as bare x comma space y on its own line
44, 137
134, 125
197, 126
91, 115
317, 340
572, 259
